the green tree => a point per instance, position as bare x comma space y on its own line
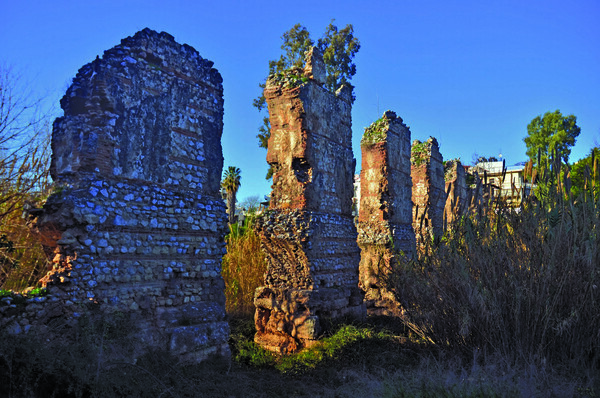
231, 184
551, 135
338, 48
585, 173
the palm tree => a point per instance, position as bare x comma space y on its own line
231, 184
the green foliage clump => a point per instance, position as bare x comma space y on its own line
289, 78
551, 135
21, 297
418, 153
376, 132
585, 173
347, 343
338, 46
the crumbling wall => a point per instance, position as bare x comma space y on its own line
429, 197
456, 190
308, 233
385, 217
136, 215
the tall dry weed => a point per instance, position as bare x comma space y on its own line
244, 268
523, 284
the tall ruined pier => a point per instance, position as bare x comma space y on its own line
429, 197
137, 217
308, 234
385, 215
456, 190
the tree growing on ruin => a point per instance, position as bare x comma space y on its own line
551, 135
338, 46
230, 184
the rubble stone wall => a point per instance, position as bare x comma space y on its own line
456, 190
385, 216
136, 217
308, 234
428, 195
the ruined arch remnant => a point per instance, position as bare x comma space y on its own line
137, 219
308, 234
385, 230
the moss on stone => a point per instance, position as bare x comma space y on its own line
376, 132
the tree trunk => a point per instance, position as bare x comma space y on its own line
231, 206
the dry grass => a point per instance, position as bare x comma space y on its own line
356, 360
244, 268
523, 285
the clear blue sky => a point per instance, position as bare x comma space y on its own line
470, 73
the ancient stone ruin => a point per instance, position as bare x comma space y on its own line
385, 216
456, 190
136, 218
428, 195
308, 234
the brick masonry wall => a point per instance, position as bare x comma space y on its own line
385, 216
428, 193
137, 218
308, 234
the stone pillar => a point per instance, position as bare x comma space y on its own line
139, 222
429, 197
456, 190
385, 217
308, 234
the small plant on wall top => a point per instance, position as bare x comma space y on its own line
289, 78
376, 132
418, 153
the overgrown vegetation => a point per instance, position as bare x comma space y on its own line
352, 360
418, 153
376, 132
338, 46
523, 285
244, 267
289, 78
